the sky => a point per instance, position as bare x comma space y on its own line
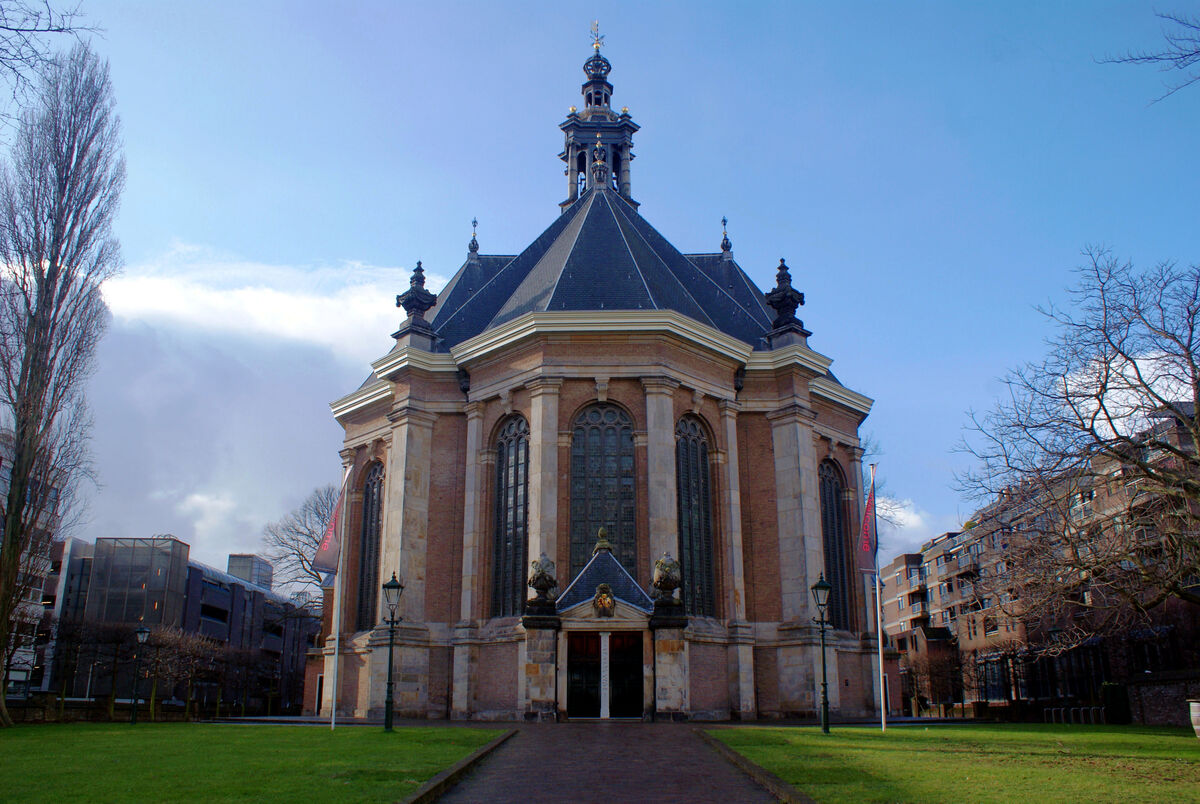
930, 170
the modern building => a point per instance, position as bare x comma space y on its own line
651, 431
249, 567
153, 582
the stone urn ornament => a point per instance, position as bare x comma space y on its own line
542, 581
1194, 711
667, 577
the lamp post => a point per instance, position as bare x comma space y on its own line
142, 635
391, 597
820, 593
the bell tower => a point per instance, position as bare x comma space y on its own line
597, 132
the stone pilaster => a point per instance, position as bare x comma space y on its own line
543, 467
406, 509
671, 682
541, 666
473, 507
741, 649
797, 508
660, 467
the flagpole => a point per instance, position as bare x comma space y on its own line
337, 601
883, 704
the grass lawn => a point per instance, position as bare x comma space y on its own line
204, 762
1002, 763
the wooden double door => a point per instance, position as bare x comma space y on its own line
591, 681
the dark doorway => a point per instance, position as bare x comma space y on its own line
583, 675
625, 674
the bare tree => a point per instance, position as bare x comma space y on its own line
1091, 459
58, 196
1180, 52
292, 542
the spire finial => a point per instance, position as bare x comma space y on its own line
597, 37
600, 163
473, 246
726, 246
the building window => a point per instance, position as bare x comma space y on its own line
692, 494
602, 485
368, 547
512, 520
833, 532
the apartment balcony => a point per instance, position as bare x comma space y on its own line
968, 565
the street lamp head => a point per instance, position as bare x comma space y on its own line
820, 593
142, 635
391, 593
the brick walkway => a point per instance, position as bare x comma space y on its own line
606, 762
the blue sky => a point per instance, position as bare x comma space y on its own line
930, 171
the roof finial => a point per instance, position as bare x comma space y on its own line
473, 246
416, 300
726, 246
785, 298
597, 37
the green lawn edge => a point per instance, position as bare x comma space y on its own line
977, 763
113, 762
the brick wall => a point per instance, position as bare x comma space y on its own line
760, 541
1163, 702
443, 566
766, 681
708, 673
497, 677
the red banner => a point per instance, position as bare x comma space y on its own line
866, 533
330, 549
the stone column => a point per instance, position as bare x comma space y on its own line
543, 467
660, 467
406, 517
741, 649
540, 673
626, 184
473, 508
605, 677
797, 508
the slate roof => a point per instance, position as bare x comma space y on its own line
600, 254
604, 568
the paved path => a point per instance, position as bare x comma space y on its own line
608, 763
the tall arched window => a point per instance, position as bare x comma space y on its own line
833, 533
512, 518
692, 495
368, 547
602, 485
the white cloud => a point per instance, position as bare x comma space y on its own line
347, 309
913, 526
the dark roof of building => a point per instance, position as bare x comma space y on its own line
600, 254
604, 568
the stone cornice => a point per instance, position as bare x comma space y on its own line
632, 321
788, 356
828, 389
368, 394
410, 357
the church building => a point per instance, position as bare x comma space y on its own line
608, 474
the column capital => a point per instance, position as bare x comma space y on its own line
659, 384
475, 410
544, 385
411, 414
791, 412
347, 456
729, 407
